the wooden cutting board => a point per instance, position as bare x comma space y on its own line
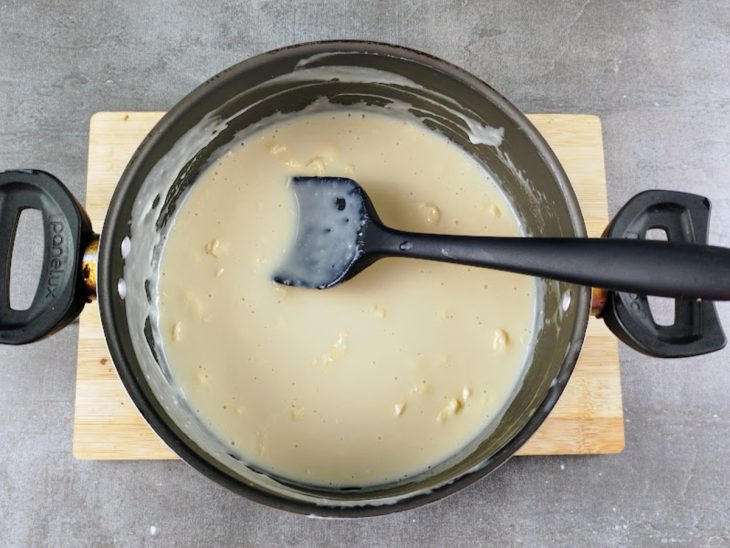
588, 419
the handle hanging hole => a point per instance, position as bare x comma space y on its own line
27, 259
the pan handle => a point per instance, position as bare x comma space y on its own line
61, 292
696, 329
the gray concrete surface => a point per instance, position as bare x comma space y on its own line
658, 74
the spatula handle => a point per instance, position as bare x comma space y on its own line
638, 266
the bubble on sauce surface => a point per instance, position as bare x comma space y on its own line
567, 297
430, 212
122, 288
126, 247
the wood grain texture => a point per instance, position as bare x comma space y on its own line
588, 418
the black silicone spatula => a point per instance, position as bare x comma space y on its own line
339, 234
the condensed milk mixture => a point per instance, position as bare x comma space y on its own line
378, 378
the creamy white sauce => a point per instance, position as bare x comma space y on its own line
374, 380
